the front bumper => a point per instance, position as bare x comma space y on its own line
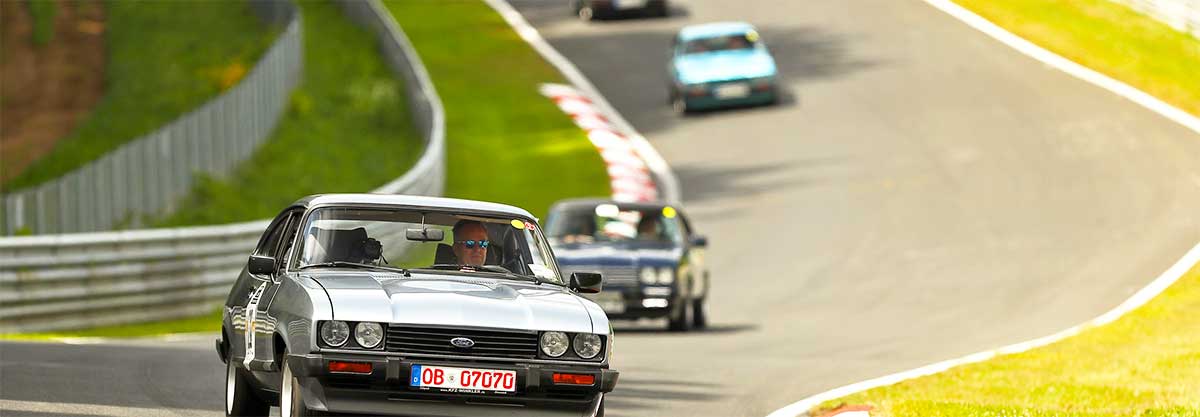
640, 302
385, 390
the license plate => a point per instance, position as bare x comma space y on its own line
630, 4
469, 380
611, 303
732, 90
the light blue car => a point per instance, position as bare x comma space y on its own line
720, 65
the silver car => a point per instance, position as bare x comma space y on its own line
403, 305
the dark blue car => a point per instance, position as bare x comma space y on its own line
651, 259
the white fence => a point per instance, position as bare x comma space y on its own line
67, 281
1183, 15
147, 176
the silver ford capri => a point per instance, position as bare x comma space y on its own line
404, 305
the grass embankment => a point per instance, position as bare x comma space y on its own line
506, 142
207, 323
1110, 38
164, 59
347, 129
1144, 364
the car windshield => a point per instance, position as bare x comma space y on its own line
746, 40
612, 223
498, 247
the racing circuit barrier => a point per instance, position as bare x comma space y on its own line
148, 175
67, 281
1183, 15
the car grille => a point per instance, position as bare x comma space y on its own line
436, 340
618, 275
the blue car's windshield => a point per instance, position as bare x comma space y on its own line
610, 223
721, 43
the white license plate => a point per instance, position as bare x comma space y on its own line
738, 90
463, 379
611, 303
630, 4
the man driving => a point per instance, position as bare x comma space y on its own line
470, 243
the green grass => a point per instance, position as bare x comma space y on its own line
1144, 364
163, 60
43, 13
1110, 38
505, 141
348, 129
207, 323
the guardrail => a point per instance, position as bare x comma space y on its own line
67, 281
149, 175
1183, 15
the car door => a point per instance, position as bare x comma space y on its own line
260, 321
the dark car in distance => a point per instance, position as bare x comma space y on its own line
650, 257
594, 9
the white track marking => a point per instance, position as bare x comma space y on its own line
94, 409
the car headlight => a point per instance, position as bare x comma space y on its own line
554, 344
648, 276
335, 333
368, 335
666, 275
587, 345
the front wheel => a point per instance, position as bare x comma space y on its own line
240, 399
291, 396
699, 314
681, 321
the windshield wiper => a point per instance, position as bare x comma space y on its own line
345, 264
493, 269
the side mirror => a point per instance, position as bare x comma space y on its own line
261, 265
425, 235
699, 241
586, 282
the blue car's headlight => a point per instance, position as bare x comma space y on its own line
657, 276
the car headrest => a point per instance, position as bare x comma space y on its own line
341, 244
445, 255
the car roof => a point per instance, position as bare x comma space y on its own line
588, 202
413, 201
709, 30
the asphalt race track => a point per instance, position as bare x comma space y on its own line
922, 192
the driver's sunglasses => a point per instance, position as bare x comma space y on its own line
470, 244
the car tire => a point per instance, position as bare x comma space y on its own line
291, 397
240, 398
699, 314
658, 10
679, 105
682, 321
586, 13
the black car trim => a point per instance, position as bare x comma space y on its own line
463, 358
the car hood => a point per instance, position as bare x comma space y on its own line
616, 255
455, 301
724, 65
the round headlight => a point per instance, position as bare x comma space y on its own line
554, 344
335, 333
666, 275
587, 345
648, 276
368, 335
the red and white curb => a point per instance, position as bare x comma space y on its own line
628, 174
627, 154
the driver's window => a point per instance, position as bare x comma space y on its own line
288, 239
268, 247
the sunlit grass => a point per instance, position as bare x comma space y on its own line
506, 142
207, 323
160, 64
1144, 364
347, 129
1110, 38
